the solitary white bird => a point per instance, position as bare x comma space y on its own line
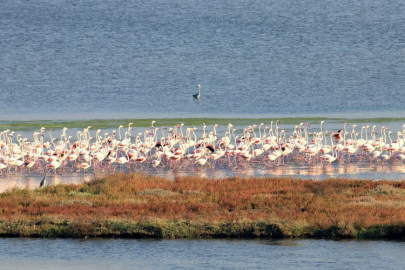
197, 96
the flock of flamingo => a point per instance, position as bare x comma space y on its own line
180, 148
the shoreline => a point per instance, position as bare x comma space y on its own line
186, 230
147, 206
31, 125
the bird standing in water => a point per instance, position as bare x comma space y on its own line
43, 182
197, 96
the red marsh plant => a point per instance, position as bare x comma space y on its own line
295, 207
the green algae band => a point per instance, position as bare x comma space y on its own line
145, 206
114, 123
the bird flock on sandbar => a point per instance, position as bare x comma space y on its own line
179, 148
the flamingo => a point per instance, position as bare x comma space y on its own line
201, 162
140, 160
330, 158
54, 164
177, 147
157, 162
2, 167
85, 165
122, 160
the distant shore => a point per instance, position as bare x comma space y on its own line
33, 125
146, 206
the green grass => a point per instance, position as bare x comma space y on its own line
114, 123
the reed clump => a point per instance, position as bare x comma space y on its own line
386, 189
158, 192
143, 206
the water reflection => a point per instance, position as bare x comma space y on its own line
283, 243
395, 172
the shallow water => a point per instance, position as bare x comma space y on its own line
373, 172
123, 59
199, 254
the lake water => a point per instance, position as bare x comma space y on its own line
113, 59
73, 59
199, 254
